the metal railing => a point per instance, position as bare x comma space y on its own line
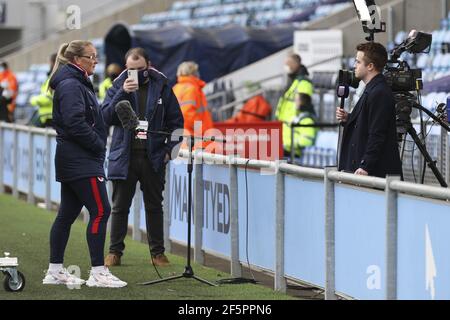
328, 180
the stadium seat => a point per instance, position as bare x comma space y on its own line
401, 35
259, 12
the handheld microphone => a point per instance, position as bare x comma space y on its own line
126, 115
342, 92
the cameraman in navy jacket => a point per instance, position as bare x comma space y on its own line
80, 154
141, 157
369, 142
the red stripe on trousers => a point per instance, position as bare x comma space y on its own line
99, 203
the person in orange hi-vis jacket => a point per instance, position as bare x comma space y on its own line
255, 109
9, 83
192, 100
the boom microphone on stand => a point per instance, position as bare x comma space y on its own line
130, 121
126, 115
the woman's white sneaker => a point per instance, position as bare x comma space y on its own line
104, 279
62, 276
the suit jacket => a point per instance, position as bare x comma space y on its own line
369, 141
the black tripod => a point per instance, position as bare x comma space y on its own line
413, 133
188, 271
431, 163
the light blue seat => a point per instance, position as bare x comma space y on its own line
208, 3
436, 64
178, 5
24, 76
400, 36
22, 99
41, 77
423, 60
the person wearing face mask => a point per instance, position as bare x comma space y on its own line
79, 158
287, 111
140, 157
112, 72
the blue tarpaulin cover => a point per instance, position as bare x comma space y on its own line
218, 51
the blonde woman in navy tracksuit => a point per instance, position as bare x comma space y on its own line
80, 154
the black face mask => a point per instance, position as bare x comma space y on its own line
143, 76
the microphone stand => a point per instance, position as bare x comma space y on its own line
188, 271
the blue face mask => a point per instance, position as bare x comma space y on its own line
143, 76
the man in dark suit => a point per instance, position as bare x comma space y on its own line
369, 142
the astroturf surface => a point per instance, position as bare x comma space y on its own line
24, 232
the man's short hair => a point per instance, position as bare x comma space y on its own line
305, 99
136, 53
295, 57
375, 53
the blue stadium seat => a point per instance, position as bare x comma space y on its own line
144, 27
41, 77
231, 1
225, 20
24, 77
275, 11
43, 67
327, 140
232, 8
22, 99
29, 87
437, 62
241, 19
401, 35
208, 3
206, 11
444, 24
252, 5
446, 37
178, 5
423, 61
283, 15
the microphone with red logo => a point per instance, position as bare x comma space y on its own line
343, 88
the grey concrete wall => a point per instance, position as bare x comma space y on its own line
40, 52
9, 36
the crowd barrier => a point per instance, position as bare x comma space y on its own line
354, 236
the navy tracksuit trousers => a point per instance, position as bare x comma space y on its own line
91, 193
